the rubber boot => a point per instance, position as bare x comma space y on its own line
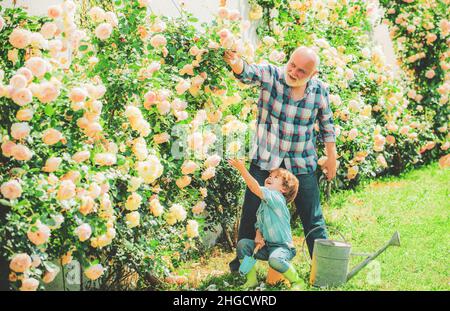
252, 280
292, 276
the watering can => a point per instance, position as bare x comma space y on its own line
330, 260
248, 262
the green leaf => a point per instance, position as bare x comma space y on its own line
49, 110
83, 47
5, 203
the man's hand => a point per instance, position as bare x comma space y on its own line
230, 57
236, 63
259, 240
239, 164
329, 168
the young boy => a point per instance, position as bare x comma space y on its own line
273, 231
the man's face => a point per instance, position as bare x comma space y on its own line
299, 70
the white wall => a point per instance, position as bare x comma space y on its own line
35, 7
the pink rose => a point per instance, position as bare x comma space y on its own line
29, 285
105, 159
94, 190
111, 18
13, 56
199, 208
39, 234
54, 11
83, 232
96, 91
21, 153
87, 205
51, 136
187, 69
161, 138
224, 34
352, 134
158, 41
20, 130
181, 115
163, 107
18, 81
234, 15
94, 272
20, 263
212, 161
22, 96
183, 181
97, 14
182, 87
149, 98
194, 50
66, 190
36, 261
50, 274
390, 139
7, 148
93, 129
37, 65
52, 164
26, 73
430, 74
25, 114
77, 95
103, 31
179, 105
154, 66
20, 38
189, 167
48, 30
223, 12
73, 176
11, 189
209, 173
81, 156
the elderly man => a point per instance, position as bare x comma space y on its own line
290, 102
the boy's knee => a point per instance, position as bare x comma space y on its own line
277, 264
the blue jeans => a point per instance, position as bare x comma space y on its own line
277, 256
307, 204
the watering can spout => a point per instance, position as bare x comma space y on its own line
394, 241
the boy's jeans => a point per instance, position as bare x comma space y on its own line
307, 204
278, 256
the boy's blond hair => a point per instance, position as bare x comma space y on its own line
290, 183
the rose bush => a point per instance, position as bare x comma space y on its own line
90, 172
367, 97
420, 31
113, 133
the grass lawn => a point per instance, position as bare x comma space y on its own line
416, 204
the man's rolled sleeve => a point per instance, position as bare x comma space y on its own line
254, 74
325, 117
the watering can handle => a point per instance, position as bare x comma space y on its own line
312, 230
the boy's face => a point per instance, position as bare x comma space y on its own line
274, 182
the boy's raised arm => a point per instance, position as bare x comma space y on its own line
251, 182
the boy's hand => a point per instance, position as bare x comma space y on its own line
239, 164
259, 240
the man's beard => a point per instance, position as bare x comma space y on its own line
296, 83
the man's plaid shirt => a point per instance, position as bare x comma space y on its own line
285, 128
